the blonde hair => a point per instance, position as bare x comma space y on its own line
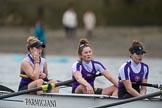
31, 40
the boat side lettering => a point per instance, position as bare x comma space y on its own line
40, 102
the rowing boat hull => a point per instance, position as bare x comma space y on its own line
58, 100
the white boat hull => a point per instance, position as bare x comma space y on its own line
71, 101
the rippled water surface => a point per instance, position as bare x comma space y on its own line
60, 68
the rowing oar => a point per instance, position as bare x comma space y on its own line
44, 87
4, 88
68, 82
131, 99
159, 86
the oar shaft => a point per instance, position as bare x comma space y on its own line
4, 88
146, 84
149, 85
21, 92
64, 83
131, 99
73, 80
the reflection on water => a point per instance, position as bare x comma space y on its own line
60, 68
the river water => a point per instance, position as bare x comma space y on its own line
59, 68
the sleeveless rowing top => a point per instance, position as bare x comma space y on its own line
128, 72
85, 71
25, 80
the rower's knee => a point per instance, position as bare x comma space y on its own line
40, 82
55, 89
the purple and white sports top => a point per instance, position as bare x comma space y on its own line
133, 72
87, 69
29, 58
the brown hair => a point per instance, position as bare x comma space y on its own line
82, 44
135, 43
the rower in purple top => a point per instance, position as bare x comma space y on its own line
33, 69
86, 67
132, 73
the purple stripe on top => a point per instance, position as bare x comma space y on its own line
78, 66
145, 65
96, 62
126, 70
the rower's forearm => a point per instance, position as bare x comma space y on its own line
36, 71
114, 81
82, 82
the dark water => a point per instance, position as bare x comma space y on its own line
60, 68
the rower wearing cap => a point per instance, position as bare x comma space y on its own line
33, 70
37, 45
133, 72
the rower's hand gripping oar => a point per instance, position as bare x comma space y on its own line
44, 87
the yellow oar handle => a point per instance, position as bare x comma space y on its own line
120, 81
51, 86
23, 76
45, 87
48, 86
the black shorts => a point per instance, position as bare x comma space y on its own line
25, 87
123, 94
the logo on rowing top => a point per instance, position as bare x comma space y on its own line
137, 78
